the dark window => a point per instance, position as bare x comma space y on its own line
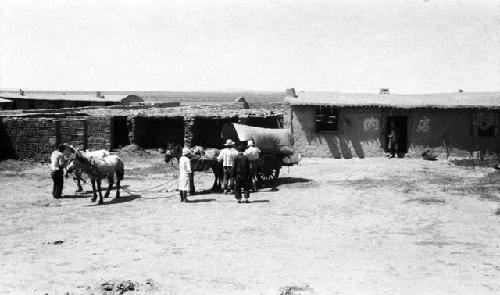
485, 124
327, 118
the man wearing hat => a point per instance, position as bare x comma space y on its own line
253, 154
241, 174
227, 156
184, 174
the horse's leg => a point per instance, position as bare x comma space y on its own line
117, 188
110, 184
79, 187
93, 191
192, 189
99, 189
214, 186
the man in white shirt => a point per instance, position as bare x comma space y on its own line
253, 154
227, 156
57, 163
184, 174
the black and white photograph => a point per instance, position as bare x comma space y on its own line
281, 147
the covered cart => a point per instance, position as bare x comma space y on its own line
276, 146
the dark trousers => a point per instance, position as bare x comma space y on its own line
228, 180
244, 184
57, 188
393, 147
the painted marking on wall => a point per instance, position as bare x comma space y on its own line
424, 124
371, 123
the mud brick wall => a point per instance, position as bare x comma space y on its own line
189, 131
73, 132
99, 133
29, 138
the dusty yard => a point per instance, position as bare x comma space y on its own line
370, 226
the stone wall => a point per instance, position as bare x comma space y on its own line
99, 133
35, 138
74, 132
28, 138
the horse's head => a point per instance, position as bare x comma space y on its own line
172, 151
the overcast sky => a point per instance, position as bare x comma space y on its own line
410, 46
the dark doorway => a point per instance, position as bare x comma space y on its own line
401, 125
120, 132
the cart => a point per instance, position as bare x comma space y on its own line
275, 146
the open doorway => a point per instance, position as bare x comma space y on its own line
397, 125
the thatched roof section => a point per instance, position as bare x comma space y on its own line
209, 111
490, 100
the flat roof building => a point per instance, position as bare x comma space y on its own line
346, 125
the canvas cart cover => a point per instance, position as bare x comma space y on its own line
266, 139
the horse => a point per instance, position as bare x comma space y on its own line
97, 169
201, 160
77, 173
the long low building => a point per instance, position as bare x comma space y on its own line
24, 100
342, 125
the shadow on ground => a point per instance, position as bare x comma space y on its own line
123, 199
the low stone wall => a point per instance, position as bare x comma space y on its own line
35, 138
28, 138
99, 133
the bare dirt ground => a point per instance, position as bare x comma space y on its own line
358, 226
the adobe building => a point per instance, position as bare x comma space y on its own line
24, 100
346, 125
5, 104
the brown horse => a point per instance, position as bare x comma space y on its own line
97, 169
201, 160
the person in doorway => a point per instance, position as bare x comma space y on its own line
253, 154
393, 139
57, 163
241, 174
227, 156
184, 174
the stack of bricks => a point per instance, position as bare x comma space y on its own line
73, 132
189, 131
31, 138
99, 133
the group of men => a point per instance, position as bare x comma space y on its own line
239, 167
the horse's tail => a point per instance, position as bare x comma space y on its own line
120, 169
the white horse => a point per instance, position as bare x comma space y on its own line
97, 169
77, 173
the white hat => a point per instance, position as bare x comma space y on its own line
185, 151
250, 143
229, 142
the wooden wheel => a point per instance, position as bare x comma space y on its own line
268, 175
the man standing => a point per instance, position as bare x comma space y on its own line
57, 163
227, 156
253, 154
184, 174
241, 174
393, 144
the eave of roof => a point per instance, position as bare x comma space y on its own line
490, 100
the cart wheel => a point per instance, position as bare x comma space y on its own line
268, 176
